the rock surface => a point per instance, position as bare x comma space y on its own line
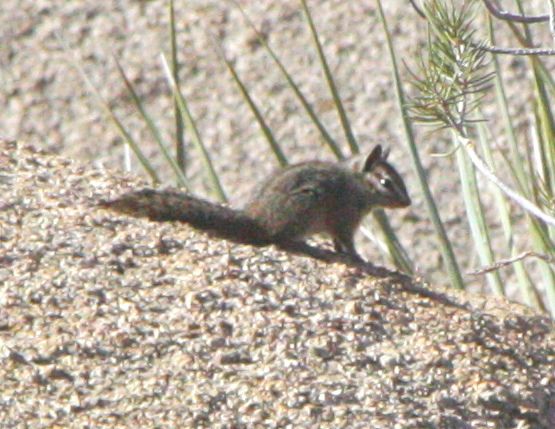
109, 321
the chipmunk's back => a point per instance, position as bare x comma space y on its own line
309, 198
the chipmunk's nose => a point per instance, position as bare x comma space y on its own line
404, 201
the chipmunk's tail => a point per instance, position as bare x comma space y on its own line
171, 205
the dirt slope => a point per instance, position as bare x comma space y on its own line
108, 321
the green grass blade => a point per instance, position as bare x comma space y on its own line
179, 130
476, 219
523, 179
195, 135
517, 197
331, 143
539, 233
545, 148
127, 138
517, 164
546, 136
394, 247
525, 284
331, 84
275, 147
445, 246
181, 179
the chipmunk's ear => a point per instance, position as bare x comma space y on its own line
373, 158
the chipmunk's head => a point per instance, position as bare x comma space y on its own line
388, 186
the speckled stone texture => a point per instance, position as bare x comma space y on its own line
110, 321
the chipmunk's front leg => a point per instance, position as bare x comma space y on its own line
343, 241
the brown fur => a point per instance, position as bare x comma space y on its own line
298, 201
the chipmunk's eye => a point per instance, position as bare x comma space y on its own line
386, 183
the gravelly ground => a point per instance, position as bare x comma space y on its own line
108, 321
46, 103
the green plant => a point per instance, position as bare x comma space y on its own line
450, 82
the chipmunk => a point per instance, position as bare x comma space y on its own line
294, 203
